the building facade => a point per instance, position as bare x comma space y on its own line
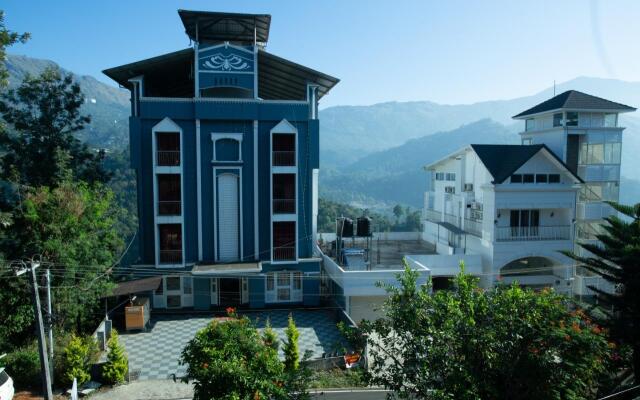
514, 205
583, 131
224, 141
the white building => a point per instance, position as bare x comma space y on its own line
514, 205
584, 132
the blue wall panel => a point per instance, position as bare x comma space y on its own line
201, 293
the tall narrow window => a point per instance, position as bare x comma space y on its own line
169, 194
284, 241
284, 193
168, 149
284, 150
572, 119
170, 243
557, 119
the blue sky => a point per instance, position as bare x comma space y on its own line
445, 51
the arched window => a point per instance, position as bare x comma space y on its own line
227, 147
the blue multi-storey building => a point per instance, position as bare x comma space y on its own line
224, 142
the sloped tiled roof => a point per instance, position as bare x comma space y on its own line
502, 160
575, 100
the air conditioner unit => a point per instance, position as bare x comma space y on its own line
468, 187
450, 189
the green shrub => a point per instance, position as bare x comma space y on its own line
270, 337
77, 359
116, 368
291, 351
23, 365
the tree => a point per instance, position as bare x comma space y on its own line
7, 38
291, 351
77, 359
617, 260
270, 337
398, 211
467, 343
116, 368
41, 149
73, 228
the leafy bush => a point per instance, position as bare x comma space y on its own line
338, 378
230, 360
270, 337
23, 365
77, 359
116, 368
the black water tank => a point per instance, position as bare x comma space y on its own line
364, 226
344, 227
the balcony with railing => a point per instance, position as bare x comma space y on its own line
284, 158
452, 219
284, 253
284, 206
532, 233
474, 227
168, 158
170, 256
432, 215
169, 207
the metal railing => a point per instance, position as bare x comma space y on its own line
169, 207
452, 219
473, 227
170, 256
520, 233
284, 253
284, 158
432, 215
168, 158
284, 206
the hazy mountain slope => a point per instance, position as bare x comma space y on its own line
108, 106
396, 175
351, 132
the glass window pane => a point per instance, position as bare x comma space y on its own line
530, 124
554, 178
527, 178
596, 151
541, 178
516, 178
284, 294
270, 282
582, 157
214, 284
173, 282
283, 279
297, 280
188, 283
557, 119
174, 301
572, 119
610, 120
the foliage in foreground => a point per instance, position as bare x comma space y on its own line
78, 357
229, 359
73, 227
618, 262
117, 365
467, 343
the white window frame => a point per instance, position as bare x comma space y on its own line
167, 125
295, 295
283, 127
233, 136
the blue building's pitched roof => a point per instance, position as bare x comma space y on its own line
278, 78
502, 160
575, 100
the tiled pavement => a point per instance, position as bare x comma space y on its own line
155, 354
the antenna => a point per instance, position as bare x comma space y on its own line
554, 87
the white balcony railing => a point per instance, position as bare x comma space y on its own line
473, 227
518, 233
432, 215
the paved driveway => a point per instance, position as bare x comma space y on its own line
155, 354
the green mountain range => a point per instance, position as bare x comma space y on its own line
372, 156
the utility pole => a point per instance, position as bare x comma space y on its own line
42, 345
50, 322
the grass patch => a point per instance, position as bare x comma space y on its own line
338, 378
